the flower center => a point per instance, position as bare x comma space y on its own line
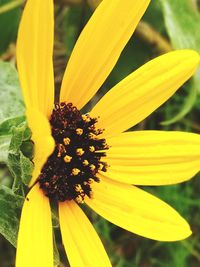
72, 167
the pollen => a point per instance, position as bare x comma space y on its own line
66, 141
90, 180
91, 136
92, 148
79, 199
86, 117
75, 171
78, 188
67, 159
85, 163
79, 151
92, 167
72, 168
79, 131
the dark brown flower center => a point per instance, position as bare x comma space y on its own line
72, 167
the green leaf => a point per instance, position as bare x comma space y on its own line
11, 103
183, 26
14, 132
6, 126
4, 147
188, 104
8, 25
5, 178
19, 164
10, 209
19, 134
183, 23
26, 169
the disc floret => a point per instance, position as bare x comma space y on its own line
77, 157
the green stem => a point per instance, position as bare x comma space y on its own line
10, 6
189, 247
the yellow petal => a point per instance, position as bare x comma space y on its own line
43, 141
34, 55
137, 211
99, 47
138, 95
82, 244
35, 242
153, 157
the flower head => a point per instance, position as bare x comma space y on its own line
87, 157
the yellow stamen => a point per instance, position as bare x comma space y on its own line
79, 200
86, 118
92, 167
67, 159
78, 188
92, 148
79, 131
75, 171
91, 136
85, 163
66, 141
79, 151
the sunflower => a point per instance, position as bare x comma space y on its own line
89, 158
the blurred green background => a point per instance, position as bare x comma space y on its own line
167, 25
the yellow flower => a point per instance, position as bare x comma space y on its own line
77, 163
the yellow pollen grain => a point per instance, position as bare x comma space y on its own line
79, 200
85, 163
91, 148
79, 131
86, 118
91, 136
90, 181
75, 171
92, 167
67, 159
79, 151
66, 141
78, 188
